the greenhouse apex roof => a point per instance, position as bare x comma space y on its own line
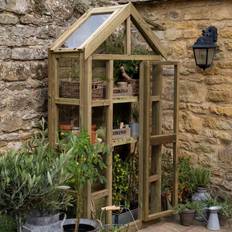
96, 25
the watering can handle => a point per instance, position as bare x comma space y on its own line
62, 222
110, 208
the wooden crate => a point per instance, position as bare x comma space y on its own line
121, 133
71, 89
121, 91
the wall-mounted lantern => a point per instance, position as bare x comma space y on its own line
204, 48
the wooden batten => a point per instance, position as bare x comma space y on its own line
176, 131
109, 121
128, 36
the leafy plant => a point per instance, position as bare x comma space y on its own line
86, 163
200, 177
190, 205
226, 206
120, 181
186, 184
7, 223
125, 180
30, 178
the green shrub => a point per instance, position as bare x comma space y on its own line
31, 177
7, 223
200, 177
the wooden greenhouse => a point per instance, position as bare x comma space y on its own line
107, 72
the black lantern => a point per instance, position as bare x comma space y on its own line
205, 47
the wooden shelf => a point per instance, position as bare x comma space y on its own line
101, 102
125, 99
155, 98
123, 141
67, 101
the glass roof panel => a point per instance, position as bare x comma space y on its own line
85, 30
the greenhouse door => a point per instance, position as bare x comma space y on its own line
159, 143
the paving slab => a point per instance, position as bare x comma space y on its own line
175, 227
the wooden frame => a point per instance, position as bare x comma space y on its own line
123, 13
154, 141
120, 14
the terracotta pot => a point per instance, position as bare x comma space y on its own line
187, 217
65, 126
93, 136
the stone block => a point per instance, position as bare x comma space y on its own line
16, 6
192, 123
192, 92
5, 53
219, 95
14, 71
8, 18
221, 110
25, 53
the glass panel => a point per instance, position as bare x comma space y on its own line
167, 180
211, 52
139, 45
125, 182
99, 90
161, 161
69, 119
126, 78
200, 55
162, 88
86, 29
114, 44
69, 77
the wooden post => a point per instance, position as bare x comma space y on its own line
156, 151
141, 141
86, 113
109, 70
176, 131
128, 36
146, 136
52, 94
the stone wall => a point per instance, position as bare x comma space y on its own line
205, 96
28, 27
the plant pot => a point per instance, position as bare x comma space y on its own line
84, 226
43, 224
201, 194
65, 126
125, 217
122, 84
187, 217
222, 219
134, 129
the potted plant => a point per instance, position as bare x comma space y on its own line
187, 212
30, 178
201, 180
86, 163
225, 212
186, 185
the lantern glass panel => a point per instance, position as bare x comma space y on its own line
200, 55
211, 52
